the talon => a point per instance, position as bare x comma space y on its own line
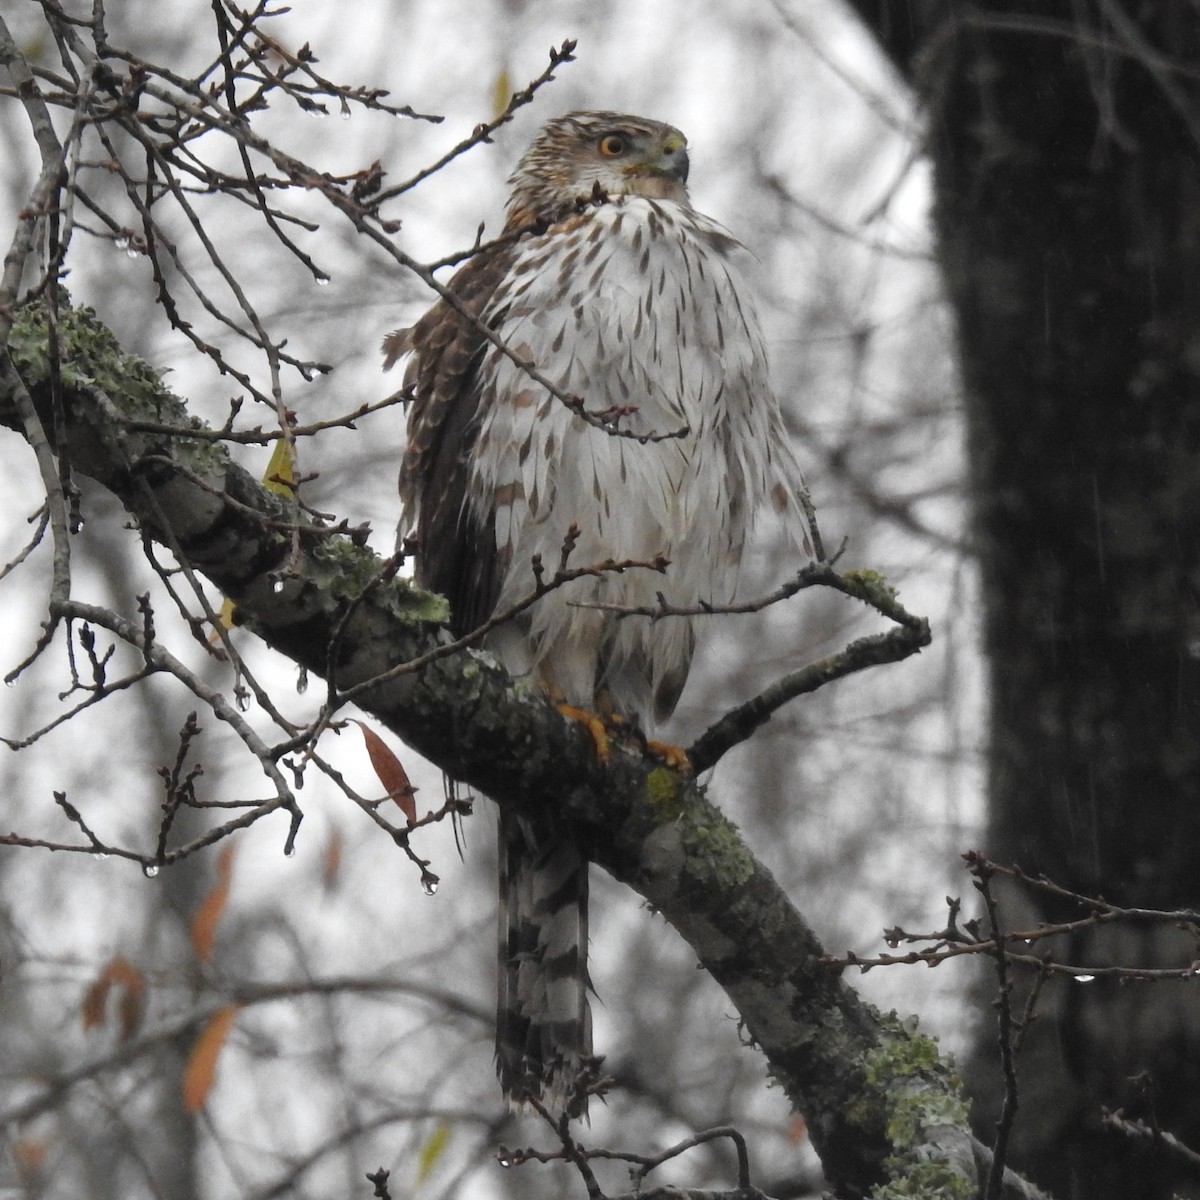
593, 724
671, 755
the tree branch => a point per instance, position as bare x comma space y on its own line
884, 1109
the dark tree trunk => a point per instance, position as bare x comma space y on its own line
1066, 139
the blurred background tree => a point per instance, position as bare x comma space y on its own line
1065, 143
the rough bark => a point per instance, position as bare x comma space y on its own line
884, 1110
1066, 140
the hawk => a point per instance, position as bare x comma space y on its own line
619, 294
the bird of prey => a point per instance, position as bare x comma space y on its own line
610, 287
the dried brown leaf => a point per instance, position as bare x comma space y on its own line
390, 772
94, 1006
29, 1154
331, 861
119, 972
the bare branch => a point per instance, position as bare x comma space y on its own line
483, 133
909, 637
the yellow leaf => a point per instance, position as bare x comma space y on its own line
501, 91
280, 475
225, 616
201, 1068
432, 1150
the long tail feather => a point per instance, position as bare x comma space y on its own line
543, 1019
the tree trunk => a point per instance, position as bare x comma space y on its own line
1066, 140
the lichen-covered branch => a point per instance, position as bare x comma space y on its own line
884, 1109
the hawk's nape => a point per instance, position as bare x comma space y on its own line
620, 293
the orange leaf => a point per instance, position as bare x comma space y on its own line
390, 772
204, 923
201, 1067
797, 1131
120, 971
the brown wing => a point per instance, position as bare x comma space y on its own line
456, 554
543, 1031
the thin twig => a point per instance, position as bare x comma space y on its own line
1004, 1024
483, 132
1143, 1134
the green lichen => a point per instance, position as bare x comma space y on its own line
921, 1093
664, 794
415, 604
337, 565
90, 356
91, 360
717, 858
902, 1054
871, 586
930, 1180
345, 570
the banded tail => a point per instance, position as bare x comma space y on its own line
543, 1019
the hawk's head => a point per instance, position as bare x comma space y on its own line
575, 154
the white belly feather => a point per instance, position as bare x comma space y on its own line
642, 304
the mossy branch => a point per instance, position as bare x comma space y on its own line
884, 1109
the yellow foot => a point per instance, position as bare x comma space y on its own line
673, 756
593, 724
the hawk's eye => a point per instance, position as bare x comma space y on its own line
612, 145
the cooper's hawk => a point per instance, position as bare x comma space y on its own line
618, 292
